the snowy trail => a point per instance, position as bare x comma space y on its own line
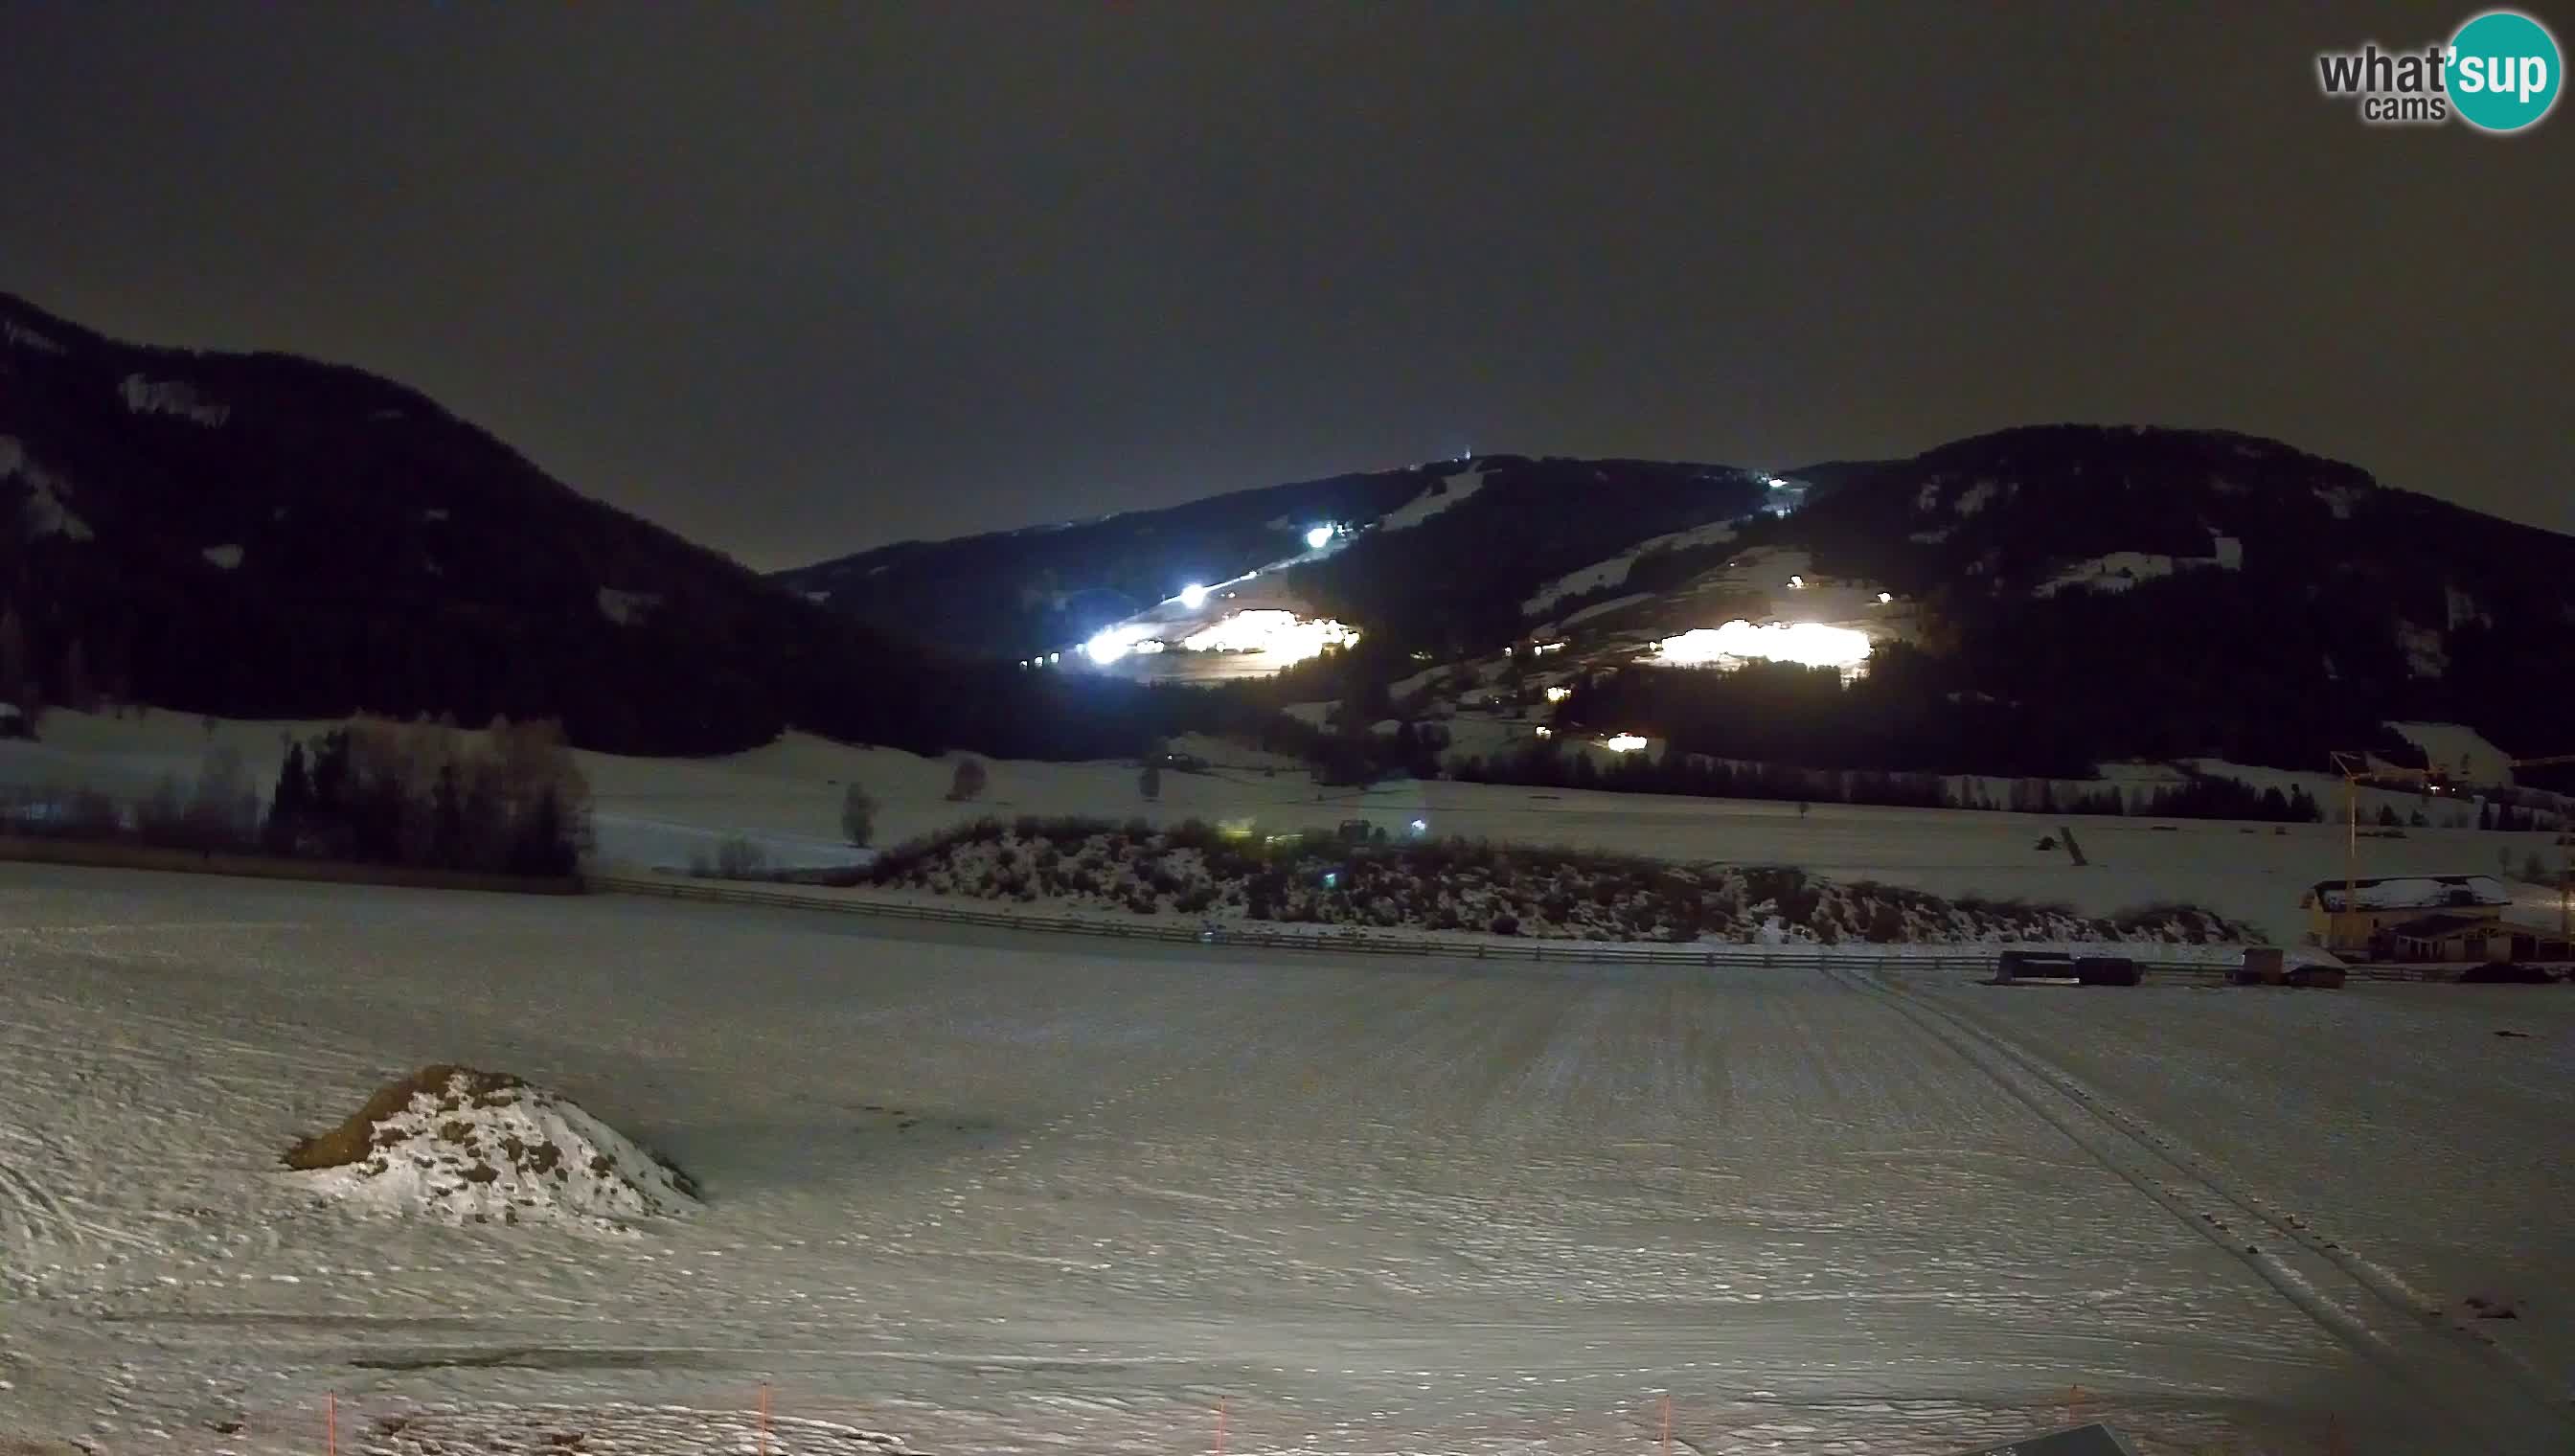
2472, 1381
997, 1193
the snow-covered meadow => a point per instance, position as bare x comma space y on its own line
786, 796
987, 1192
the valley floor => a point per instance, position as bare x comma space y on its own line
995, 1193
786, 798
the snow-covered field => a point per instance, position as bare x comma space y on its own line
787, 797
996, 1193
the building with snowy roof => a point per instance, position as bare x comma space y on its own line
2377, 906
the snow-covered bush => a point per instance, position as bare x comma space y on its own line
1461, 884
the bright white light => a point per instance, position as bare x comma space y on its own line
1546, 648
1886, 597
1055, 657
1278, 633
1738, 642
1319, 538
1559, 695
1544, 731
1777, 484
1798, 581
1419, 827
1193, 596
1623, 744
1114, 644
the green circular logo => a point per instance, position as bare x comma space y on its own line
2504, 71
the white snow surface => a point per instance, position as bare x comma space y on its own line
2460, 751
1453, 489
1605, 607
2121, 570
26, 338
626, 609
2116, 572
223, 558
44, 512
1013, 1196
1613, 572
786, 798
517, 1154
2427, 652
2425, 892
169, 397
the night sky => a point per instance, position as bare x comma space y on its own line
797, 280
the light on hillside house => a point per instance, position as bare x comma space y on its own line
1420, 827
1544, 731
1193, 596
1797, 581
1559, 695
1623, 744
1317, 537
1546, 648
1886, 597
1055, 657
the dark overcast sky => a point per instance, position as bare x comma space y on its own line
801, 279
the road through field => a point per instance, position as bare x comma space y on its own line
998, 1193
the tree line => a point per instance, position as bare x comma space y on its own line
508, 799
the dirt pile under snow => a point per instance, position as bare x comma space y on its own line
1461, 886
468, 1146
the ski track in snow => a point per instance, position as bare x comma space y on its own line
2447, 1361
995, 1193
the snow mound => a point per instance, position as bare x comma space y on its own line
467, 1146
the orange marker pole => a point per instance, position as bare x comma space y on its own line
331, 1424
1667, 1423
764, 1418
1220, 1425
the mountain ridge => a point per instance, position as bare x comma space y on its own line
260, 535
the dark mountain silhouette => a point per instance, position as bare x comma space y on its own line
261, 535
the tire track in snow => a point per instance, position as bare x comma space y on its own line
31, 1215
2463, 1376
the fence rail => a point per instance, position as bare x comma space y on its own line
1611, 953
